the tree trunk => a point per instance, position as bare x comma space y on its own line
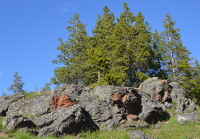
99, 76
173, 64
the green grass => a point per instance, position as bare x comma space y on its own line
34, 94
170, 130
173, 130
1, 120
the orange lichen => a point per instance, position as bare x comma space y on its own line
63, 101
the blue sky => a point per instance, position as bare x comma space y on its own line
29, 30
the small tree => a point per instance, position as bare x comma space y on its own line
17, 86
4, 94
46, 88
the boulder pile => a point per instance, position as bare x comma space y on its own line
71, 109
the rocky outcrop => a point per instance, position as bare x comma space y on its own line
166, 92
73, 108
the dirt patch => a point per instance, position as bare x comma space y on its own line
3, 135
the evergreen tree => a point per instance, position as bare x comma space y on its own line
46, 88
191, 80
72, 54
134, 38
158, 51
17, 86
99, 52
144, 61
4, 94
175, 53
124, 35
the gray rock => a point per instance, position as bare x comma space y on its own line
62, 122
133, 125
135, 134
185, 105
187, 118
76, 92
152, 111
158, 89
17, 121
72, 108
176, 91
6, 101
34, 106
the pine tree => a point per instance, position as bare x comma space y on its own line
143, 62
46, 88
17, 86
98, 54
190, 80
158, 51
72, 55
175, 53
124, 35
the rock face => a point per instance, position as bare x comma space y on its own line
18, 121
72, 108
164, 91
158, 89
6, 101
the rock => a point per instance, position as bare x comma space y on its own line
187, 118
135, 134
72, 108
6, 101
176, 91
75, 92
17, 121
152, 111
38, 105
158, 89
185, 105
62, 122
170, 105
62, 101
133, 125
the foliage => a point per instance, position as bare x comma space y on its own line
46, 88
4, 94
124, 51
175, 54
72, 54
17, 86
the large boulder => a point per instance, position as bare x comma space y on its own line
152, 111
185, 105
187, 118
18, 121
158, 89
136, 134
63, 121
167, 92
